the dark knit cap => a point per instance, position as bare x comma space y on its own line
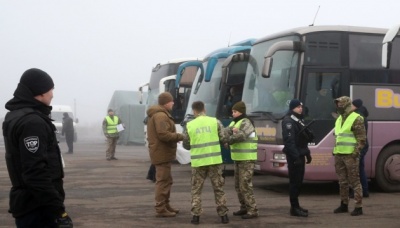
240, 106
110, 110
294, 104
358, 103
165, 98
37, 81
65, 114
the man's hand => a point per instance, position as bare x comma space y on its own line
297, 161
308, 158
64, 221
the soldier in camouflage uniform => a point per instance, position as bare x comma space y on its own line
243, 141
350, 137
202, 136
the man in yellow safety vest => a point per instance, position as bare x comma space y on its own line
350, 137
110, 123
202, 136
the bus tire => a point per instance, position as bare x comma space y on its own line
387, 169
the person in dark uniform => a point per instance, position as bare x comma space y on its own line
68, 131
33, 158
296, 138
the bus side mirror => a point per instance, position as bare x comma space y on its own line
266, 71
386, 53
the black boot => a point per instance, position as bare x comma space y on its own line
303, 209
224, 219
343, 208
240, 212
195, 220
357, 211
295, 211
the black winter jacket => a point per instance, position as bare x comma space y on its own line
296, 144
32, 154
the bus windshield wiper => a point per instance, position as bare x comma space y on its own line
269, 114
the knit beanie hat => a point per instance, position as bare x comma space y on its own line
358, 103
294, 104
240, 106
165, 98
37, 81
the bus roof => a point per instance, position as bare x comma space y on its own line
178, 60
322, 28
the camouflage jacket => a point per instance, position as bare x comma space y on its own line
246, 128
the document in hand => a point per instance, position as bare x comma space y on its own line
120, 127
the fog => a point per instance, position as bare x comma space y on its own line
93, 47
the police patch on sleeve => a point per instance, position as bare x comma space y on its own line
32, 143
289, 126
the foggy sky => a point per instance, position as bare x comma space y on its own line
93, 47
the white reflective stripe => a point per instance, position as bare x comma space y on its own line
205, 144
346, 135
205, 155
345, 144
243, 150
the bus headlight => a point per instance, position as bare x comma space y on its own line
279, 156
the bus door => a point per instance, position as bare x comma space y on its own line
319, 88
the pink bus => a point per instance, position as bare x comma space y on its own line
317, 64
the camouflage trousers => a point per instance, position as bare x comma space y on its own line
199, 174
347, 170
244, 171
111, 145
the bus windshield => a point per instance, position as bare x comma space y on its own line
272, 94
207, 91
159, 72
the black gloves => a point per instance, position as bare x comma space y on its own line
297, 161
64, 221
308, 158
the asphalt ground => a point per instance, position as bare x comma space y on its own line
102, 193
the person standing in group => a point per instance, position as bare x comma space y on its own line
243, 143
33, 157
296, 140
162, 138
350, 137
68, 131
110, 130
202, 136
359, 108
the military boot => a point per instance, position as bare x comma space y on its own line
295, 211
171, 209
225, 219
240, 212
357, 211
343, 208
165, 213
195, 220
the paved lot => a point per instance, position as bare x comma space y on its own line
104, 193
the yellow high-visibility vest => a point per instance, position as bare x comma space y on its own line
345, 139
205, 148
112, 125
244, 151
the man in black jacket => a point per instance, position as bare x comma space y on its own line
296, 141
68, 131
33, 157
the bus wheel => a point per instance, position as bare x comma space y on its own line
388, 169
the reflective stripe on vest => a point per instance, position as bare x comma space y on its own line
244, 151
345, 140
205, 148
112, 125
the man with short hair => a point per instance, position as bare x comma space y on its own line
162, 137
350, 138
110, 130
202, 136
68, 131
33, 156
296, 139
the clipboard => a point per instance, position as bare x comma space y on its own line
120, 127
